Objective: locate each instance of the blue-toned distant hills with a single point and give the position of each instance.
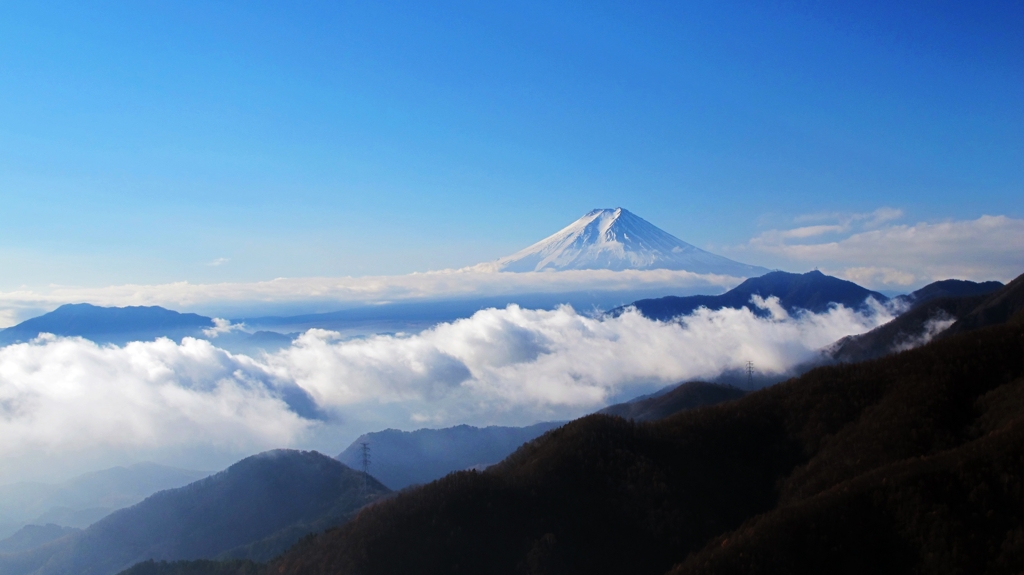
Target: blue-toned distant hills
(255, 509)
(32, 536)
(109, 324)
(403, 458)
(120, 325)
(812, 291)
(100, 491)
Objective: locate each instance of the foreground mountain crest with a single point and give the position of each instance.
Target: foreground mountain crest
(615, 239)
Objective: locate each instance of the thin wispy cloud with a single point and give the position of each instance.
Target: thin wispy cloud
(811, 231)
(873, 250)
(845, 220)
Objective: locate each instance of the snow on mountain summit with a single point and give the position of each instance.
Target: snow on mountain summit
(615, 239)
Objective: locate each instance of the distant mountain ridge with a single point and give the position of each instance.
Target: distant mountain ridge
(86, 498)
(32, 536)
(812, 291)
(403, 458)
(109, 324)
(121, 325)
(255, 509)
(616, 239)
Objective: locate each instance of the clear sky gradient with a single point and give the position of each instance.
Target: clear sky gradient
(150, 142)
(185, 154)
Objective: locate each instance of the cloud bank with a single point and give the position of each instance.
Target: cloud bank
(446, 284)
(500, 366)
(872, 250)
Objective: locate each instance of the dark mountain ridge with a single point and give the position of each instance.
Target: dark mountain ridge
(812, 291)
(1000, 307)
(907, 463)
(196, 567)
(255, 509)
(915, 327)
(689, 395)
(947, 289)
(932, 314)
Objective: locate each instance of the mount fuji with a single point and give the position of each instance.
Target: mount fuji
(615, 239)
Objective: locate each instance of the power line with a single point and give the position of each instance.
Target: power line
(750, 374)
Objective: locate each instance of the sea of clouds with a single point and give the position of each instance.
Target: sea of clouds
(61, 396)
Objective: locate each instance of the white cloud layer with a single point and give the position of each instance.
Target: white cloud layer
(446, 284)
(872, 250)
(63, 394)
(504, 366)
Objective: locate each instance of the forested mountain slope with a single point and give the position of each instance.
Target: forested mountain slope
(949, 288)
(908, 462)
(689, 395)
(935, 315)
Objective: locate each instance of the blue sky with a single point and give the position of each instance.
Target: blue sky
(236, 142)
(185, 154)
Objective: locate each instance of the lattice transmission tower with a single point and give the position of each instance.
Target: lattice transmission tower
(364, 449)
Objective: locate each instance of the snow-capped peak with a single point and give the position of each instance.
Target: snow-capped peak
(615, 239)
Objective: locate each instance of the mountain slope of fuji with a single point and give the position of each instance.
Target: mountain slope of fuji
(615, 239)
